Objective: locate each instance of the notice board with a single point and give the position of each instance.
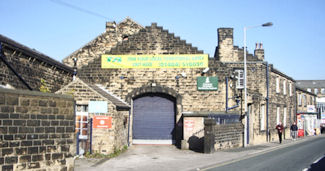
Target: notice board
(102, 122)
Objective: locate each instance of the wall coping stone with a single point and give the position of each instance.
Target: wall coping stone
(206, 114)
(33, 93)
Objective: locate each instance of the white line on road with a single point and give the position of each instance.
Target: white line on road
(316, 161)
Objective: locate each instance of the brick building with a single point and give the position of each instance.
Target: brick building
(166, 104)
(26, 68)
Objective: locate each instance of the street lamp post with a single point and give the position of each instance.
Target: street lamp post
(245, 78)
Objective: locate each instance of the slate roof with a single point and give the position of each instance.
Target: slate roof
(99, 89)
(109, 96)
(5, 41)
(304, 91)
(281, 73)
(310, 83)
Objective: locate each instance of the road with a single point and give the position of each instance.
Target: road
(296, 158)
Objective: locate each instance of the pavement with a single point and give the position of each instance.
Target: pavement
(168, 157)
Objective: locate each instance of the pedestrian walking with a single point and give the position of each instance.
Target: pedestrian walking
(279, 127)
(294, 130)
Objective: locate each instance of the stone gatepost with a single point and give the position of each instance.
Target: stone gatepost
(209, 138)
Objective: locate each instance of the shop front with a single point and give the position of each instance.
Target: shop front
(307, 124)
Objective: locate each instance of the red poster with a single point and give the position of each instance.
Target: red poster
(102, 122)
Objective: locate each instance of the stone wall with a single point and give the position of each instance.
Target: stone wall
(114, 34)
(224, 136)
(36, 131)
(32, 66)
(228, 136)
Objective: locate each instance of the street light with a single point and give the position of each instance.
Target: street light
(268, 24)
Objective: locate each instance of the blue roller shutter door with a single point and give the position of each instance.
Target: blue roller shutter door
(153, 118)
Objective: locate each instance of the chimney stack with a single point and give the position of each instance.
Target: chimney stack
(259, 51)
(224, 52)
(110, 26)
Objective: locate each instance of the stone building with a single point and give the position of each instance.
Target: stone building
(114, 34)
(25, 68)
(306, 115)
(317, 87)
(271, 96)
(305, 99)
(106, 137)
(167, 105)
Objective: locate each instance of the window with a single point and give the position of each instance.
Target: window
(82, 121)
(299, 99)
(322, 90)
(305, 100)
(262, 117)
(309, 89)
(277, 85)
(240, 78)
(277, 115)
(290, 89)
(284, 116)
(316, 91)
(284, 87)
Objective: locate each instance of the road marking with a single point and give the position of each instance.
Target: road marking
(305, 169)
(320, 158)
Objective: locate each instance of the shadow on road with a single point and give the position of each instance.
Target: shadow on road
(319, 166)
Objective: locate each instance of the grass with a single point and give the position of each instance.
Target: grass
(116, 153)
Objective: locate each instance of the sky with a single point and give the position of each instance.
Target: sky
(294, 44)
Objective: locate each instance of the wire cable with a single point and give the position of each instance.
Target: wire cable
(79, 9)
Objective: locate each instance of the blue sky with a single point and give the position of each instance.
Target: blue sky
(294, 44)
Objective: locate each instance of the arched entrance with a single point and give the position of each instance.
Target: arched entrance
(154, 119)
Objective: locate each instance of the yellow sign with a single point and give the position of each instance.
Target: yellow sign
(155, 61)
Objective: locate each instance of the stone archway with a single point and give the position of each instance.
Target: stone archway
(138, 92)
(154, 89)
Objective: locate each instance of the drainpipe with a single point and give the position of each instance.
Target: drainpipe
(91, 135)
(129, 123)
(267, 102)
(12, 69)
(129, 129)
(226, 94)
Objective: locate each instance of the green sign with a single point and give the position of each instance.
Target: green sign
(207, 83)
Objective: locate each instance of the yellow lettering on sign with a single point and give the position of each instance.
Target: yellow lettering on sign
(155, 61)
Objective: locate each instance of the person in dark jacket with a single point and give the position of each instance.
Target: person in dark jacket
(279, 127)
(294, 130)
